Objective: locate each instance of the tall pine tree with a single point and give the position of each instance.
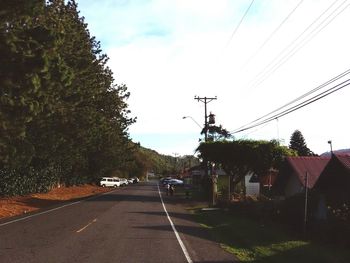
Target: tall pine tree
(59, 107)
(29, 60)
(298, 144)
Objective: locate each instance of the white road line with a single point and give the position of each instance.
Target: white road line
(83, 228)
(51, 210)
(184, 250)
(40, 213)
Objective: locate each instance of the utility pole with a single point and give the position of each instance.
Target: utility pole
(206, 100)
(306, 202)
(175, 162)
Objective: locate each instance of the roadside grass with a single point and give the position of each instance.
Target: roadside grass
(253, 242)
(191, 194)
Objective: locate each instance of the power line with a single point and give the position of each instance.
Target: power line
(292, 43)
(240, 22)
(289, 51)
(245, 135)
(273, 33)
(296, 107)
(292, 110)
(301, 97)
(308, 101)
(299, 46)
(301, 105)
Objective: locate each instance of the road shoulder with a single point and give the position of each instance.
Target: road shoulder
(200, 244)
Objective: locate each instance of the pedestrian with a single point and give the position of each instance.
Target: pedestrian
(172, 189)
(167, 186)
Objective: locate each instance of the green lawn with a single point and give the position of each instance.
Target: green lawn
(252, 242)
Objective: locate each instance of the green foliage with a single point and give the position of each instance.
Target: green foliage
(29, 180)
(163, 165)
(27, 42)
(298, 144)
(216, 133)
(59, 106)
(239, 157)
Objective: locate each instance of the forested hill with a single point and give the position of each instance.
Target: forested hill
(164, 165)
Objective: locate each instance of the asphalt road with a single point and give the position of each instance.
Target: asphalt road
(127, 225)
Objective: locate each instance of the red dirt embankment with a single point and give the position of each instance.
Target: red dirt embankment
(12, 206)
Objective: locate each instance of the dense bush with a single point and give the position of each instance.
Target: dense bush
(292, 210)
(337, 227)
(29, 180)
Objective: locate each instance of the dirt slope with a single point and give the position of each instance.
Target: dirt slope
(11, 206)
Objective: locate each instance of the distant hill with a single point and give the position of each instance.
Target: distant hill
(161, 164)
(342, 151)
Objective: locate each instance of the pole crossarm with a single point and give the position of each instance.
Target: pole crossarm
(205, 100)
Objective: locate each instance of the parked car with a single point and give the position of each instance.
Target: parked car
(166, 181)
(109, 182)
(123, 182)
(131, 180)
(172, 181)
(175, 182)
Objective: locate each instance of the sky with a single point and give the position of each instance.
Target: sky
(254, 56)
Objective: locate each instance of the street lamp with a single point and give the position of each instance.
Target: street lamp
(185, 117)
(330, 144)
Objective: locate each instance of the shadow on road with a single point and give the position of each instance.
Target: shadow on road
(117, 196)
(184, 216)
(196, 231)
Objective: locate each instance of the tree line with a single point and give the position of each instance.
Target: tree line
(238, 157)
(63, 120)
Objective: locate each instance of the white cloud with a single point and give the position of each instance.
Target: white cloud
(168, 51)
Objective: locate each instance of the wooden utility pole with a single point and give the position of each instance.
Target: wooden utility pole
(206, 100)
(305, 206)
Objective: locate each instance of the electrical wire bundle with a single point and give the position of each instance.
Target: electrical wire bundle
(323, 90)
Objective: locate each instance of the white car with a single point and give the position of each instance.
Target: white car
(109, 182)
(133, 180)
(123, 182)
(130, 180)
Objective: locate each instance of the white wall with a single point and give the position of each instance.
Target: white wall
(251, 188)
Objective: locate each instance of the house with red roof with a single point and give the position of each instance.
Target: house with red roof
(327, 176)
(334, 181)
(298, 173)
